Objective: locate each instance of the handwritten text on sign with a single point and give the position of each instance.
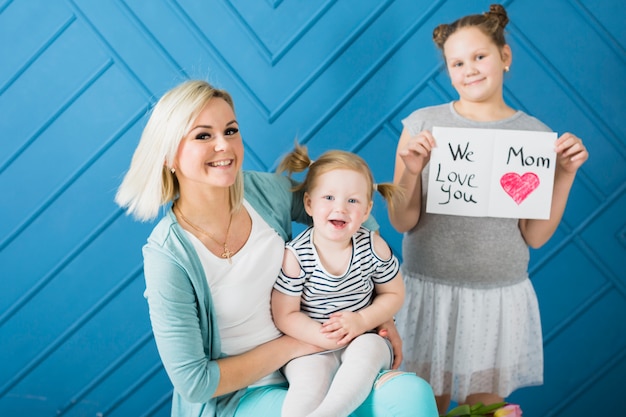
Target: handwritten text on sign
(491, 172)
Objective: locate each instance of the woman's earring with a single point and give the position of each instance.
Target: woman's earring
(506, 68)
(173, 170)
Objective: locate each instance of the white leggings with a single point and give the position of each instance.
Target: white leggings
(335, 383)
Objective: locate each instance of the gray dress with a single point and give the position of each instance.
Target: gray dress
(470, 322)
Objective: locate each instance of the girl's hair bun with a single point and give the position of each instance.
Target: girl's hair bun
(491, 23)
(498, 12)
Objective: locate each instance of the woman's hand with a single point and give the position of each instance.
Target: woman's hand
(301, 348)
(239, 371)
(389, 331)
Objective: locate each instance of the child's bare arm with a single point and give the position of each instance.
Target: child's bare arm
(345, 326)
(571, 154)
(412, 154)
(287, 314)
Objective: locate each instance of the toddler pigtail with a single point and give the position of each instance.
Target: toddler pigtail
(390, 192)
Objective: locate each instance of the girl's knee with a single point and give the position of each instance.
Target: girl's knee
(370, 342)
(368, 339)
(369, 349)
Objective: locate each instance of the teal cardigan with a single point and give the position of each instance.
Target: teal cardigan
(180, 304)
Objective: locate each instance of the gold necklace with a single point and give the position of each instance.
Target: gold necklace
(226, 254)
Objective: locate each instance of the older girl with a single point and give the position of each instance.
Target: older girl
(470, 321)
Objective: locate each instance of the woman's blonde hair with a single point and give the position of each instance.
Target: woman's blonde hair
(150, 181)
(298, 160)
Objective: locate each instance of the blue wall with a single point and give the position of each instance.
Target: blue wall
(77, 78)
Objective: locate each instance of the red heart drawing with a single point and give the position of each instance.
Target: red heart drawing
(518, 187)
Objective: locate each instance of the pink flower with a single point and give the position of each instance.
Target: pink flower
(510, 410)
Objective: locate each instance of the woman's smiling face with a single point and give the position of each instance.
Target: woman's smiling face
(212, 151)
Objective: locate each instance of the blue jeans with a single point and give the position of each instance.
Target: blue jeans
(399, 394)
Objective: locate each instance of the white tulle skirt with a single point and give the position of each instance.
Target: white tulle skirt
(466, 340)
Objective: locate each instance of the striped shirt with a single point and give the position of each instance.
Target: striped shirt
(322, 293)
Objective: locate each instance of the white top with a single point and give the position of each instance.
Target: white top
(241, 290)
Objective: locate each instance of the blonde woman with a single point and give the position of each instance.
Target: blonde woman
(211, 262)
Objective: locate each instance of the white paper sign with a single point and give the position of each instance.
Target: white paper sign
(491, 172)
